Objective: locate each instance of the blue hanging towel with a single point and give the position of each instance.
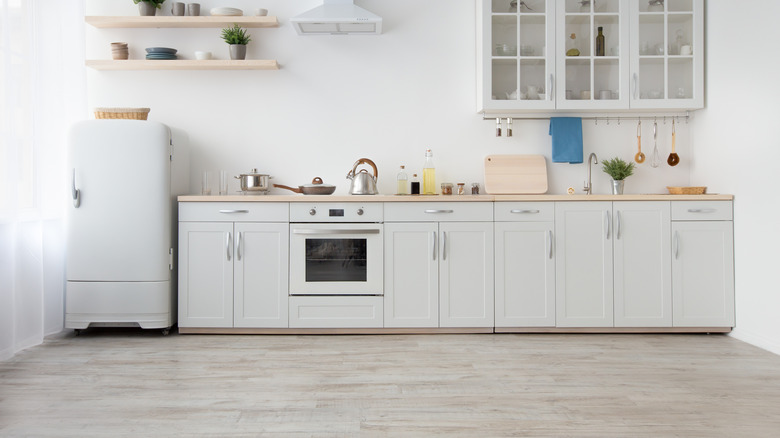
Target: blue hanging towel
(566, 135)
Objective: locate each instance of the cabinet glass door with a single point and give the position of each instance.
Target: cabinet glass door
(667, 63)
(519, 69)
(592, 74)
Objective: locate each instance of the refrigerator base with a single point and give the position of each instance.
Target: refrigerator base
(148, 305)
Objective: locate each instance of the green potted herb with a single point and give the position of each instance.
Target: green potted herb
(148, 7)
(238, 39)
(618, 170)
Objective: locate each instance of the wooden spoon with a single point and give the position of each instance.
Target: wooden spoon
(639, 157)
(673, 159)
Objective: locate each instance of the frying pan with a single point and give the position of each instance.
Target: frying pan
(315, 188)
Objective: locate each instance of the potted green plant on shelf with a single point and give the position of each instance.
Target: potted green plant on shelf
(618, 170)
(148, 7)
(238, 39)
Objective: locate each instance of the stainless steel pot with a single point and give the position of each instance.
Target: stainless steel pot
(254, 182)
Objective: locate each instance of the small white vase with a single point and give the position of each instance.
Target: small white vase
(617, 186)
(237, 51)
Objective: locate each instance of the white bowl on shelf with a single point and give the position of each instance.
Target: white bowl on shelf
(226, 12)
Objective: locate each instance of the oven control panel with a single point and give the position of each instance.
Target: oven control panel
(336, 212)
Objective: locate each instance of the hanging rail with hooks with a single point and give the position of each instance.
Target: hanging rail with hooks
(596, 119)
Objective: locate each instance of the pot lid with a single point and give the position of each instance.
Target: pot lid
(317, 182)
(253, 172)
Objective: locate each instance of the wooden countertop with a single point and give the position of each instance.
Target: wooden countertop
(451, 198)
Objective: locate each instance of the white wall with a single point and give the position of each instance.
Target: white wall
(339, 98)
(737, 149)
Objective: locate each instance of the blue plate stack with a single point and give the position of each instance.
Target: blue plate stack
(160, 53)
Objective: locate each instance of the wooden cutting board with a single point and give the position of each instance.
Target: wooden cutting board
(515, 175)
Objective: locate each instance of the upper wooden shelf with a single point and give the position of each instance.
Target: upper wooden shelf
(181, 22)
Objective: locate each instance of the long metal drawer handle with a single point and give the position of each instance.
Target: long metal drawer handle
(617, 227)
(702, 210)
(233, 211)
(444, 245)
(325, 232)
(606, 224)
(439, 211)
(227, 246)
(76, 192)
(524, 211)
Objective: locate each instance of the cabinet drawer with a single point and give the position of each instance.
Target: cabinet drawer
(336, 312)
(524, 211)
(234, 212)
(438, 211)
(702, 211)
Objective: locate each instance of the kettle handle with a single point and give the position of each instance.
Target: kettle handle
(365, 161)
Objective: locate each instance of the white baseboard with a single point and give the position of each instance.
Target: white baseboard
(760, 341)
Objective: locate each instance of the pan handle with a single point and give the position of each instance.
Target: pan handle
(280, 186)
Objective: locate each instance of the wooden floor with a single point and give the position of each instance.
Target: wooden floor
(126, 383)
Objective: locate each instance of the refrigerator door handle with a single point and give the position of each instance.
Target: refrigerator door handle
(75, 192)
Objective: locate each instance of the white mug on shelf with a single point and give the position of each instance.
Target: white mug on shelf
(686, 50)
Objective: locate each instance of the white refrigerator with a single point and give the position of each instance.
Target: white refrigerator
(121, 224)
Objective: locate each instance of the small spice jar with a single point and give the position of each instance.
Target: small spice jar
(446, 188)
(461, 188)
(475, 188)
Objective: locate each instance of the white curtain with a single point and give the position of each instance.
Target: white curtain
(42, 92)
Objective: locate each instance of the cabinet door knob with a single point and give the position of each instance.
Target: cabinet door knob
(312, 212)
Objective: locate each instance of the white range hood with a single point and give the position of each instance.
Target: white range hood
(337, 17)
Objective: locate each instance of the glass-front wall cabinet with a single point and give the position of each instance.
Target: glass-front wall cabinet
(518, 54)
(594, 55)
(592, 70)
(667, 64)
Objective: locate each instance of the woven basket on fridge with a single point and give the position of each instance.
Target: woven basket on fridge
(122, 113)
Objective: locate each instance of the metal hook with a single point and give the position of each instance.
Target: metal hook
(664, 120)
(655, 130)
(638, 128)
(618, 121)
(674, 130)
(607, 121)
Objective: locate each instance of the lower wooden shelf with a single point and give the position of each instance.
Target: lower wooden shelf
(183, 64)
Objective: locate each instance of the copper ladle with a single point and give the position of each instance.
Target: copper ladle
(673, 159)
(639, 157)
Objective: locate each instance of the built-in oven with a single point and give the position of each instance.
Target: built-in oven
(336, 249)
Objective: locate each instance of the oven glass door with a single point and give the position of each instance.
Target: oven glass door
(336, 259)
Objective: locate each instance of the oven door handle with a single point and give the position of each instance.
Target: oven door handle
(326, 232)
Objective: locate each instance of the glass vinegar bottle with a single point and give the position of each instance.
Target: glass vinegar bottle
(402, 182)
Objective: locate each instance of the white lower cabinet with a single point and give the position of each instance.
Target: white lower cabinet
(233, 269)
(438, 265)
(583, 264)
(525, 264)
(205, 274)
(613, 264)
(703, 265)
(411, 275)
(642, 268)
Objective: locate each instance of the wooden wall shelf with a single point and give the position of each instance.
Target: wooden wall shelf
(183, 64)
(104, 22)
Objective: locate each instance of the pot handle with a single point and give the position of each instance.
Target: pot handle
(365, 161)
(296, 190)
